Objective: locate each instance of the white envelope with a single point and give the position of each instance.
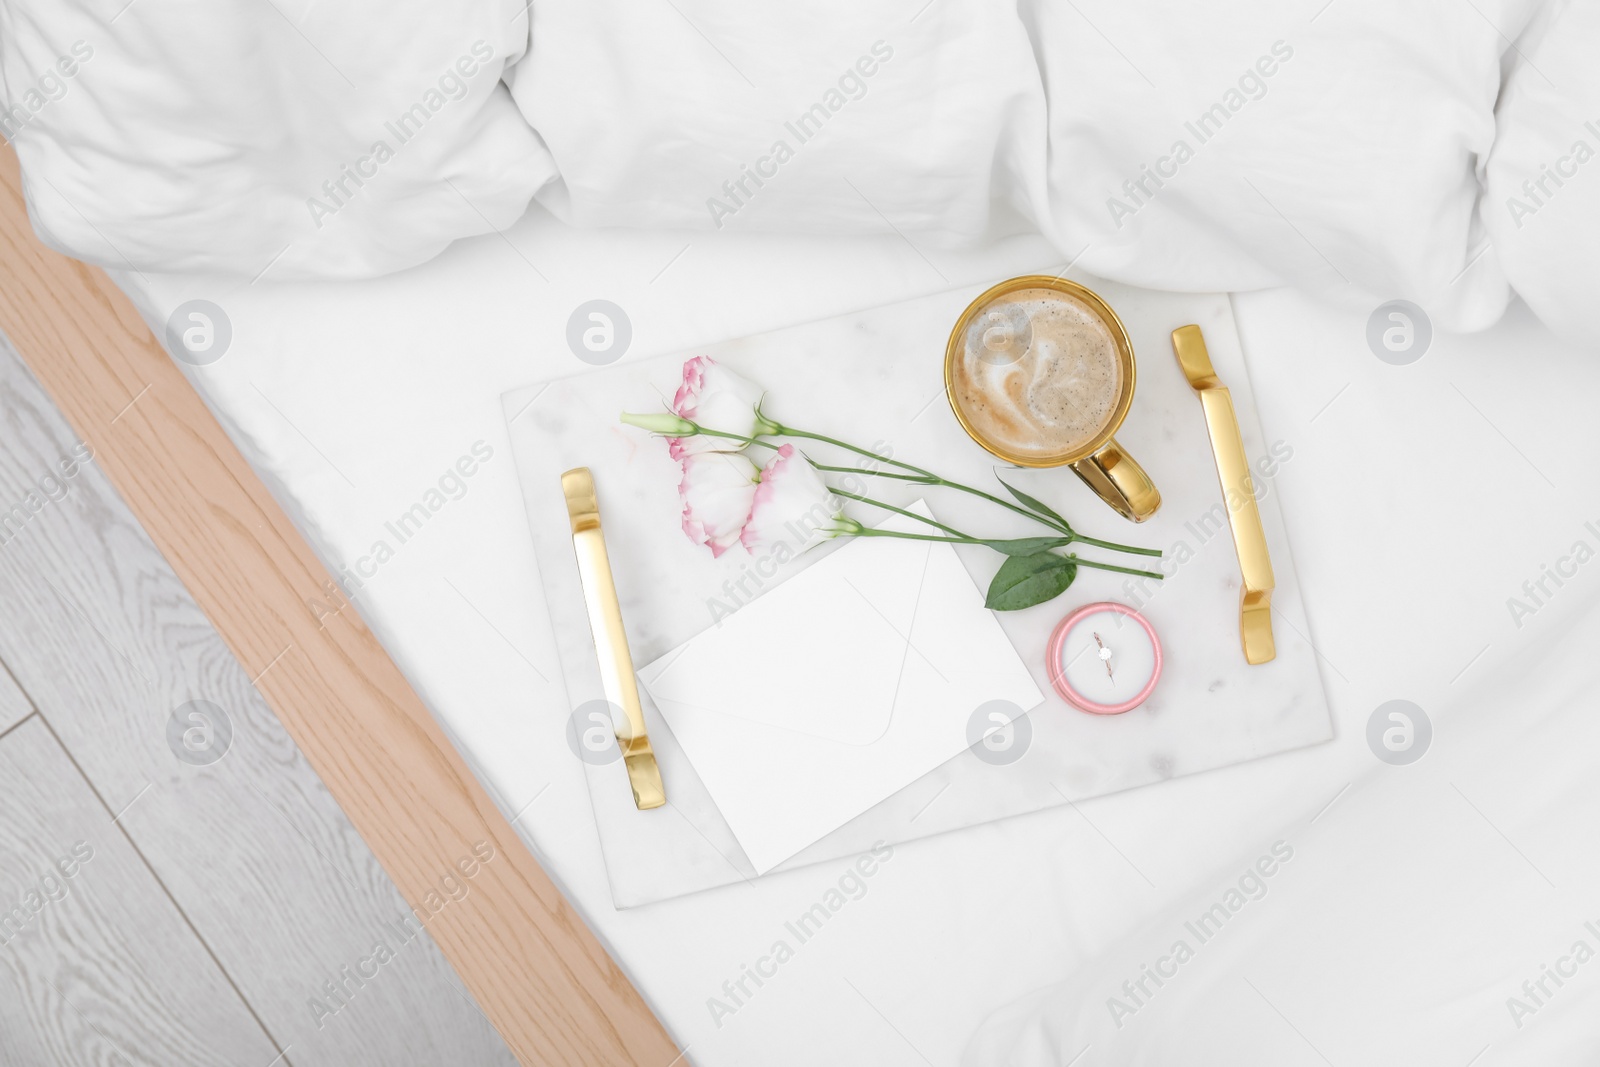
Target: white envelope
(837, 688)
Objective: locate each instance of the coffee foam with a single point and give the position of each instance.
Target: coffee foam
(1038, 374)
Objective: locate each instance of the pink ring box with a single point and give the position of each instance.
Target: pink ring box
(1058, 678)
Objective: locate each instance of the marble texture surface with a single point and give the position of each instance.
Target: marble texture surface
(875, 377)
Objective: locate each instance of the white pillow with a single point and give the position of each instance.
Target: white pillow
(1335, 148)
(242, 139)
(1542, 207)
(1339, 147)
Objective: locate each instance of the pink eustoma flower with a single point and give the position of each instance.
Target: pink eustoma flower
(717, 490)
(714, 397)
(792, 506)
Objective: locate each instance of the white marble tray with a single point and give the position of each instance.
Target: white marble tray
(877, 376)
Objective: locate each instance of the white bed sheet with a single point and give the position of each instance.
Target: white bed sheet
(1419, 499)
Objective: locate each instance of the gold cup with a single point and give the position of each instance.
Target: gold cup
(1101, 462)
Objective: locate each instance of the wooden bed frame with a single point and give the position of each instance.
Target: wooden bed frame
(536, 970)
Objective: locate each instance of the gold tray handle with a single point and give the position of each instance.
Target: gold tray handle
(1238, 494)
(610, 639)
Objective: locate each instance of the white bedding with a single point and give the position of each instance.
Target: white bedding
(1354, 148)
(1407, 567)
(1420, 499)
(1439, 913)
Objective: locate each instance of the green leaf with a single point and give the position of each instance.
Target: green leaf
(1024, 581)
(1034, 505)
(1027, 546)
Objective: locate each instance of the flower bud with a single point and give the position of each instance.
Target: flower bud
(665, 423)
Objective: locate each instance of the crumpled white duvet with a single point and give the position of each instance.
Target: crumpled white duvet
(1441, 151)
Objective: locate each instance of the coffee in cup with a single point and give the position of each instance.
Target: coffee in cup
(1040, 372)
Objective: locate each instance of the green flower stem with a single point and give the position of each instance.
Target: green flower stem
(927, 477)
(780, 430)
(901, 511)
(867, 531)
(1113, 546)
(933, 479)
(917, 478)
(1080, 561)
(668, 424)
(736, 437)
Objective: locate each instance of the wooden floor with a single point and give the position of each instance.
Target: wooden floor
(536, 971)
(176, 884)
